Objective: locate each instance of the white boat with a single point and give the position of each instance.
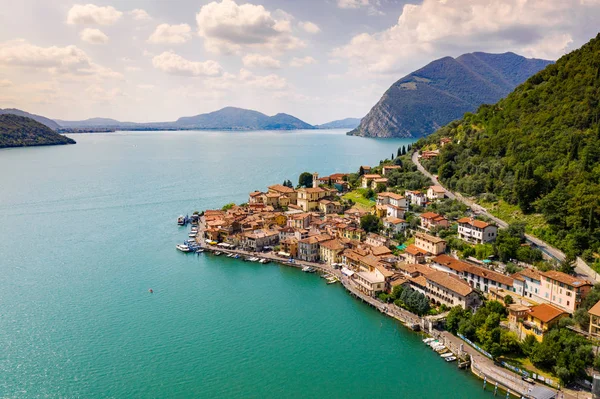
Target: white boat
(441, 349)
(447, 354)
(181, 220)
(332, 280)
(428, 340)
(254, 259)
(305, 269)
(192, 235)
(230, 255)
(217, 253)
(433, 343)
(450, 359)
(194, 229)
(264, 261)
(199, 251)
(183, 247)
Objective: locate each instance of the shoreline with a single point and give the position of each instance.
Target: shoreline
(480, 366)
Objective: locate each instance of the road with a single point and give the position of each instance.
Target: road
(546, 248)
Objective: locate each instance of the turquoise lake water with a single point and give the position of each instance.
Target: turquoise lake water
(86, 230)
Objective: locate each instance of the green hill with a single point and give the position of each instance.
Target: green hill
(539, 148)
(232, 118)
(443, 91)
(41, 119)
(20, 131)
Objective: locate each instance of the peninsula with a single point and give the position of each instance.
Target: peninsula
(21, 131)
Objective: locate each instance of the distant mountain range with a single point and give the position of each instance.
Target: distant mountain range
(348, 123)
(22, 131)
(445, 90)
(228, 118)
(45, 121)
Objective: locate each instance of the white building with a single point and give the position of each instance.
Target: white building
(476, 231)
(436, 193)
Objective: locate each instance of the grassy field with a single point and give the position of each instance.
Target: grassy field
(357, 197)
(525, 363)
(512, 214)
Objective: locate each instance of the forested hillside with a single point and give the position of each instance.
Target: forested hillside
(538, 148)
(20, 131)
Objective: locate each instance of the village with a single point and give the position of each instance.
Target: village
(389, 248)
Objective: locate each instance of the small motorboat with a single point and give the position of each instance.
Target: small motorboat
(264, 261)
(151, 291)
(445, 355)
(199, 251)
(192, 234)
(450, 358)
(428, 340)
(332, 280)
(181, 220)
(183, 247)
(254, 259)
(217, 253)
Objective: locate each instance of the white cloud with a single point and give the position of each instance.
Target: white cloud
(536, 28)
(91, 14)
(268, 82)
(140, 15)
(300, 62)
(145, 87)
(260, 61)
(5, 83)
(175, 64)
(309, 27)
(171, 34)
(352, 3)
(228, 28)
(69, 62)
(132, 69)
(93, 36)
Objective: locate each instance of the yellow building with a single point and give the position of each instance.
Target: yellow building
(352, 233)
(431, 244)
(331, 251)
(283, 190)
(308, 198)
(539, 319)
(595, 321)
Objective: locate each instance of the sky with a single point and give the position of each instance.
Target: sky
(319, 60)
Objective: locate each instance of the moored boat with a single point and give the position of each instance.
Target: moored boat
(428, 340)
(448, 354)
(450, 359)
(217, 253)
(199, 251)
(183, 247)
(181, 220)
(264, 261)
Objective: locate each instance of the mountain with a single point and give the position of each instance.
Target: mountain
(20, 131)
(45, 121)
(444, 90)
(538, 148)
(348, 123)
(231, 118)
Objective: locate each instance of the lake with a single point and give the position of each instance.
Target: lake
(87, 229)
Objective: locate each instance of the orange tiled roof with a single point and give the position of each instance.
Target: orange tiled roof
(565, 278)
(545, 312)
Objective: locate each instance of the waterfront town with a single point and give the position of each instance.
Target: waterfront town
(399, 251)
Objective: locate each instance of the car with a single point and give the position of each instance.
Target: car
(528, 379)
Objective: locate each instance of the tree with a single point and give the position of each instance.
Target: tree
(228, 206)
(368, 193)
(508, 300)
(370, 223)
(455, 316)
(305, 179)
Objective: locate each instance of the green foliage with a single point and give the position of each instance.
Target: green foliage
(508, 300)
(368, 194)
(228, 206)
(288, 183)
(305, 179)
(413, 301)
(370, 223)
(538, 148)
(20, 131)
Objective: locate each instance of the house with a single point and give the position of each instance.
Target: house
(431, 244)
(351, 233)
(416, 198)
(388, 168)
(371, 283)
(258, 239)
(376, 240)
(432, 219)
(299, 220)
(444, 141)
(308, 248)
(394, 225)
(476, 231)
(308, 198)
(271, 199)
(255, 197)
(284, 190)
(563, 290)
(528, 283)
(392, 204)
(329, 207)
(289, 247)
(516, 314)
(368, 179)
(430, 154)
(450, 290)
(330, 251)
(539, 319)
(436, 193)
(414, 254)
(594, 313)
(364, 170)
(381, 181)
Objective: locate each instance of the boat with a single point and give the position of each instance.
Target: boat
(217, 253)
(199, 251)
(254, 259)
(433, 343)
(151, 291)
(183, 247)
(192, 234)
(181, 220)
(332, 280)
(450, 359)
(428, 340)
(441, 349)
(236, 256)
(264, 261)
(308, 269)
(445, 355)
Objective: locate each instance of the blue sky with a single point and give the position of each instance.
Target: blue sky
(157, 60)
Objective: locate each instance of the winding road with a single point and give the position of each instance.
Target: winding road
(547, 249)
